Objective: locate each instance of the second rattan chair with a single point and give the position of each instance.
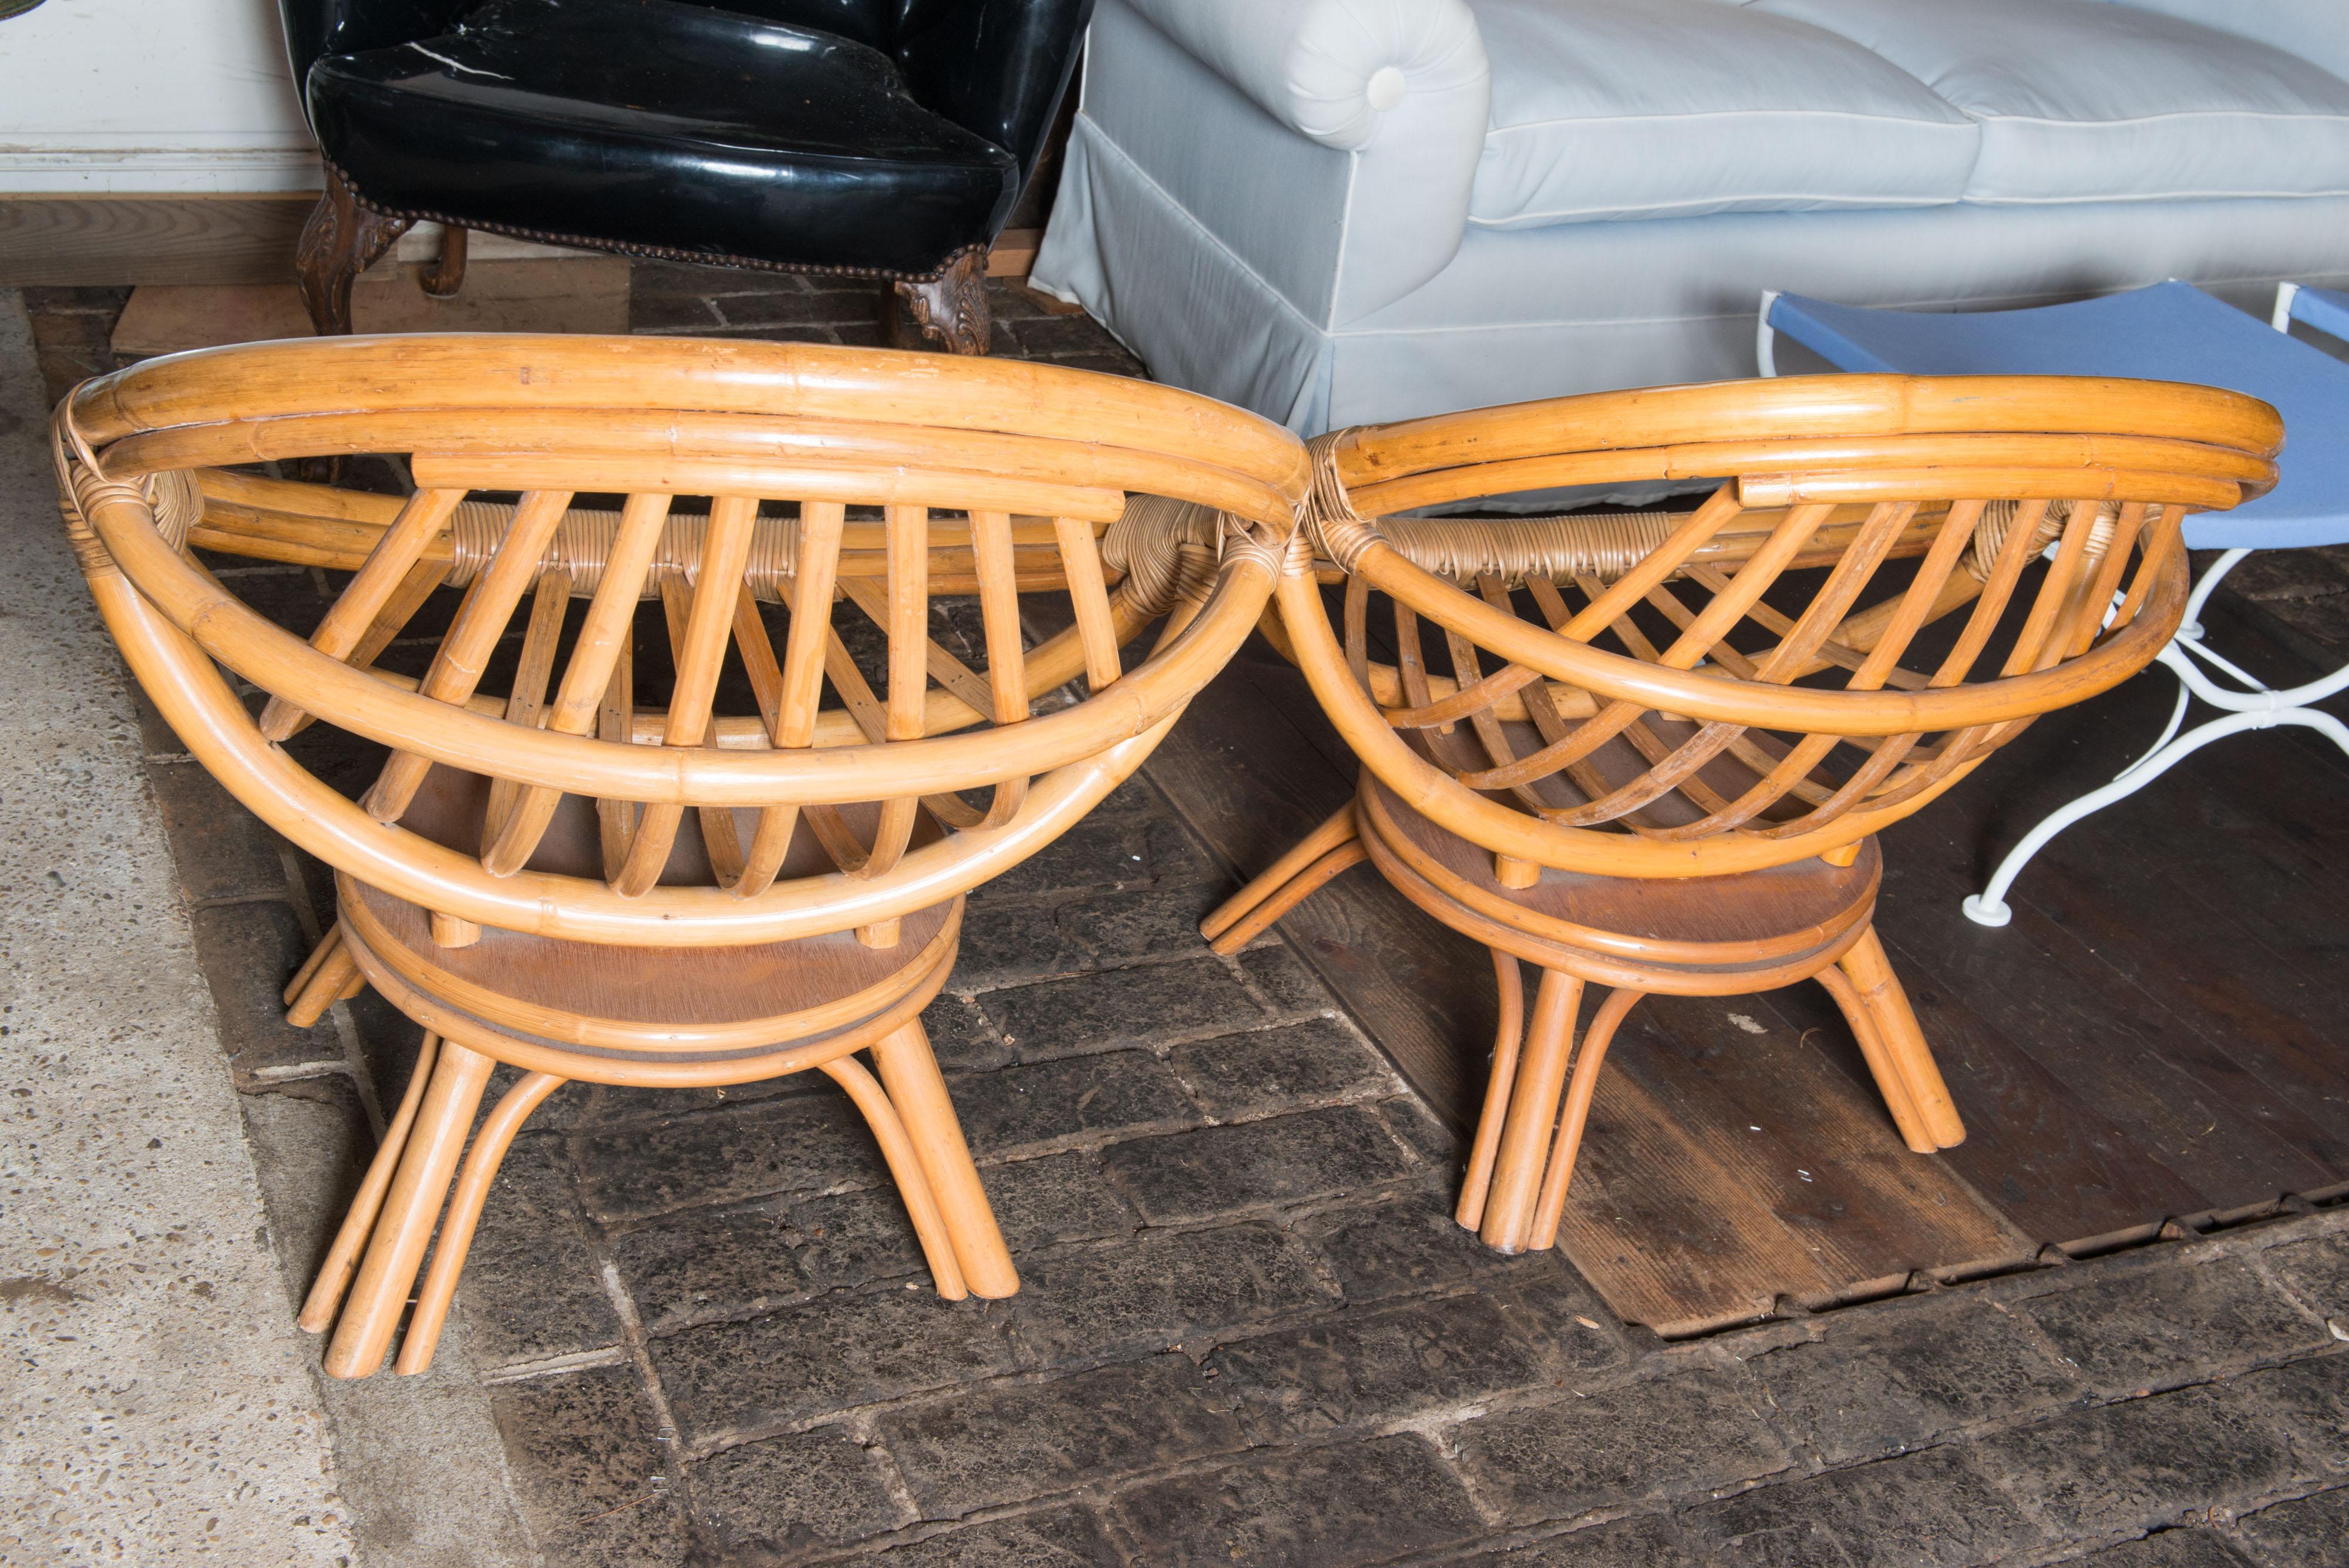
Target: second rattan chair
(1695, 811)
(585, 888)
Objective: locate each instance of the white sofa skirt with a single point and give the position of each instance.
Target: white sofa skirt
(1582, 307)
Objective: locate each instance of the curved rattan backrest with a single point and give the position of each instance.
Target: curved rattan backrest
(846, 484)
(1786, 619)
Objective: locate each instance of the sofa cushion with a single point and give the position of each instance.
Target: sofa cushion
(2084, 101)
(1645, 108)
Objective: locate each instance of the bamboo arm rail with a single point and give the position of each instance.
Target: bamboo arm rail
(218, 732)
(321, 525)
(1508, 831)
(1710, 697)
(280, 662)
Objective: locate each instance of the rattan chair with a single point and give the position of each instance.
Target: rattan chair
(562, 881)
(1695, 811)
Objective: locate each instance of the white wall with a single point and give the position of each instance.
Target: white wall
(100, 97)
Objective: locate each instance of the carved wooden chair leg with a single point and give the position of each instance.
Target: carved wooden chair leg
(1890, 1083)
(1478, 1184)
(1532, 1111)
(359, 1221)
(482, 1161)
(951, 307)
(1589, 1057)
(1904, 1042)
(906, 1167)
(1321, 854)
(341, 241)
(328, 975)
(918, 1090)
(447, 276)
(396, 1250)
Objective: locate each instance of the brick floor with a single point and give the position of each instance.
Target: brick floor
(1248, 1330)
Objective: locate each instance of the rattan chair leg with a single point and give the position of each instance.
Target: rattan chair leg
(482, 1161)
(418, 1189)
(1244, 910)
(1532, 1111)
(327, 976)
(1880, 1065)
(359, 1220)
(1478, 1185)
(1904, 1042)
(1588, 1059)
(906, 1167)
(910, 1073)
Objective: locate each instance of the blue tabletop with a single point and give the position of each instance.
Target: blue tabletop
(2169, 332)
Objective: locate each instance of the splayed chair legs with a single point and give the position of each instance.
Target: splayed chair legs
(1334, 846)
(1523, 1156)
(376, 1254)
(1875, 1006)
(327, 976)
(392, 1217)
(914, 1122)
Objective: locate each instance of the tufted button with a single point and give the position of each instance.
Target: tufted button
(1386, 89)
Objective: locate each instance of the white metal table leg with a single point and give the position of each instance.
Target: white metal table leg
(2256, 709)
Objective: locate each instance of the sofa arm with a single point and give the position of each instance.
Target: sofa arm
(1337, 70)
(1403, 86)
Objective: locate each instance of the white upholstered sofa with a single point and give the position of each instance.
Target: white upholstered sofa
(1337, 211)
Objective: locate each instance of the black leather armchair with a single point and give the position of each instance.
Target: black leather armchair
(884, 138)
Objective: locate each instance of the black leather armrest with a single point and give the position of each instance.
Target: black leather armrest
(996, 68)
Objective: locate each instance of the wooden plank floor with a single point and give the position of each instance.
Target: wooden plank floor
(2162, 1033)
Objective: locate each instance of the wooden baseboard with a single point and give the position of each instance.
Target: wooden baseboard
(69, 241)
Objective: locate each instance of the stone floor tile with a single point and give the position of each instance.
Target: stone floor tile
(1263, 1071)
(1160, 921)
(221, 849)
(1286, 1159)
(247, 952)
(532, 1286)
(1420, 1131)
(2309, 1402)
(1091, 1302)
(1059, 1198)
(855, 1239)
(1016, 945)
(1887, 1378)
(746, 1379)
(2307, 1532)
(619, 1104)
(709, 1262)
(986, 1447)
(1119, 1008)
(2139, 1465)
(1068, 1098)
(960, 1036)
(1345, 1504)
(310, 1146)
(1287, 984)
(2140, 1328)
(1408, 1246)
(776, 1500)
(587, 1468)
(2317, 1272)
(1098, 852)
(1648, 1542)
(1649, 1441)
(1059, 1538)
(1929, 1510)
(1582, 1342)
(1377, 1366)
(808, 1143)
(2170, 1549)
